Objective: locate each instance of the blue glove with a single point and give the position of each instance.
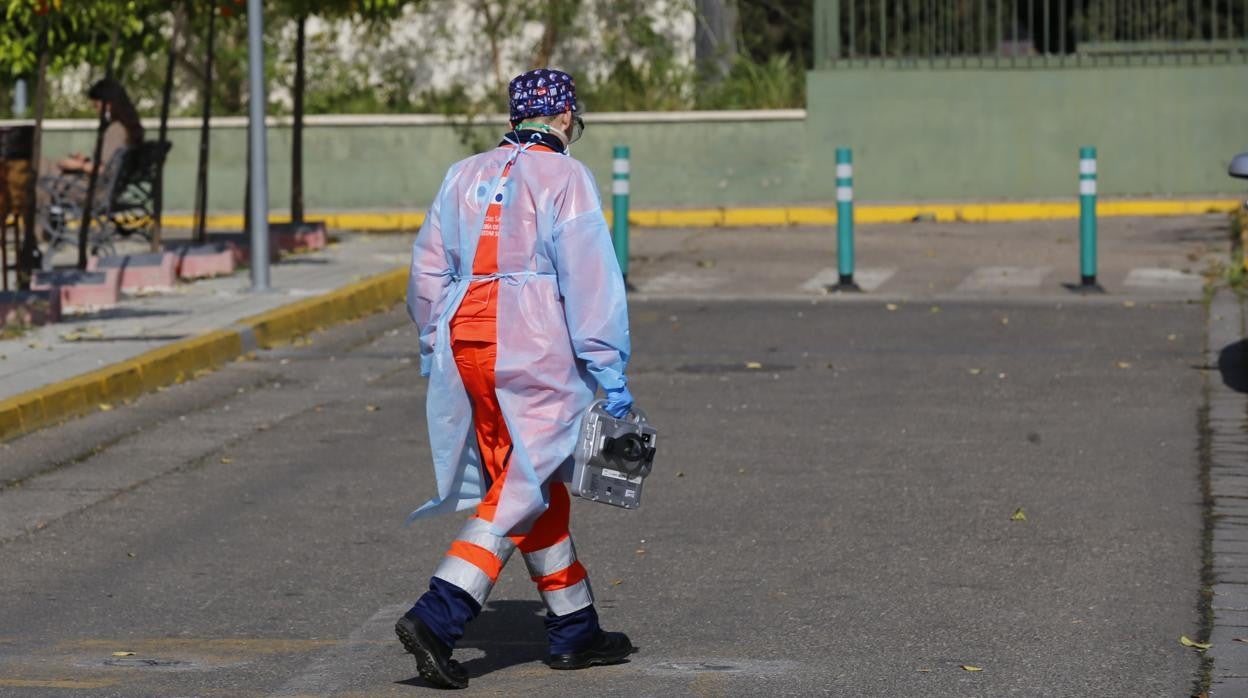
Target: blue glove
(619, 402)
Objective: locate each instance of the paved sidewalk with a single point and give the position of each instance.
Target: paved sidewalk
(90, 341)
(1226, 451)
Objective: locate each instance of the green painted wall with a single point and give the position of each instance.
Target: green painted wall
(401, 167)
(1009, 134)
(917, 135)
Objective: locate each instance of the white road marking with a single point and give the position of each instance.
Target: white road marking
(1169, 279)
(676, 281)
(867, 279)
(1002, 278)
(330, 671)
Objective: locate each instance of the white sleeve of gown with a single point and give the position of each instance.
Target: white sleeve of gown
(591, 284)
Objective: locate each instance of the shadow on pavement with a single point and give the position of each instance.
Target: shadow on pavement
(1233, 365)
(122, 312)
(508, 632)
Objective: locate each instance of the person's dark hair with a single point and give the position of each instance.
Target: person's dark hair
(120, 108)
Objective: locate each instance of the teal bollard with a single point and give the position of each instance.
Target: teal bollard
(619, 206)
(844, 222)
(1087, 221)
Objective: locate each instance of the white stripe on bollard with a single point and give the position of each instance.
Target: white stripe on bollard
(619, 166)
(1087, 167)
(843, 170)
(1087, 187)
(619, 187)
(844, 193)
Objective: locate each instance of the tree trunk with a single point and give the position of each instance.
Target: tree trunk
(201, 173)
(559, 16)
(491, 33)
(30, 259)
(715, 38)
(296, 131)
(96, 167)
(166, 95)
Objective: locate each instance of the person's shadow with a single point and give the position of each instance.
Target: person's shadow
(509, 632)
(1233, 365)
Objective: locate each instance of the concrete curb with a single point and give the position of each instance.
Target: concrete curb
(730, 217)
(1228, 500)
(182, 360)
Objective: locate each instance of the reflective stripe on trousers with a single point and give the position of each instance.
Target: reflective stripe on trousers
(475, 559)
(560, 578)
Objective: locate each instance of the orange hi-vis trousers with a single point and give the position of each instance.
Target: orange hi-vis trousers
(477, 556)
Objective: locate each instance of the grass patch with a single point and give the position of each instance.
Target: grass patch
(1230, 274)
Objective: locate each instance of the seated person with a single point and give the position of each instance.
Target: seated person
(111, 101)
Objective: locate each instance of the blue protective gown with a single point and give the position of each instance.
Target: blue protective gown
(562, 322)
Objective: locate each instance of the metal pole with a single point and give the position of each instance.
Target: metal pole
(619, 206)
(19, 100)
(845, 221)
(259, 152)
(1087, 219)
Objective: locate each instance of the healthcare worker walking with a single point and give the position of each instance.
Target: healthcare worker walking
(520, 305)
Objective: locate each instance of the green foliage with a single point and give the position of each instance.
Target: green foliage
(78, 32)
(647, 70)
(659, 86)
(1235, 272)
(773, 84)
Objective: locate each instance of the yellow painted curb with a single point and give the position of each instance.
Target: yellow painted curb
(183, 360)
(999, 212)
(347, 303)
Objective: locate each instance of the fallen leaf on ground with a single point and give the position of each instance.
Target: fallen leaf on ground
(969, 667)
(680, 473)
(924, 671)
(975, 371)
(371, 408)
(1018, 515)
(1124, 364)
(123, 654)
(891, 306)
(616, 582)
(753, 364)
(706, 263)
(1128, 304)
(226, 460)
(104, 407)
(1189, 642)
(641, 551)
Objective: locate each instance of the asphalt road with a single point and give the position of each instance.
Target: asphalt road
(836, 521)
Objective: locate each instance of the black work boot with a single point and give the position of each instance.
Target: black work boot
(607, 648)
(433, 659)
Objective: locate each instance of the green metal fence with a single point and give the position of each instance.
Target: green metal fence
(1005, 33)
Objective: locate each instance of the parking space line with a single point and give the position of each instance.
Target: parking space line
(328, 672)
(1002, 278)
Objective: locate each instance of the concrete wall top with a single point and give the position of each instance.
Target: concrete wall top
(372, 120)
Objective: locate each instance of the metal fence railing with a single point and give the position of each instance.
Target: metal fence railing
(1004, 32)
